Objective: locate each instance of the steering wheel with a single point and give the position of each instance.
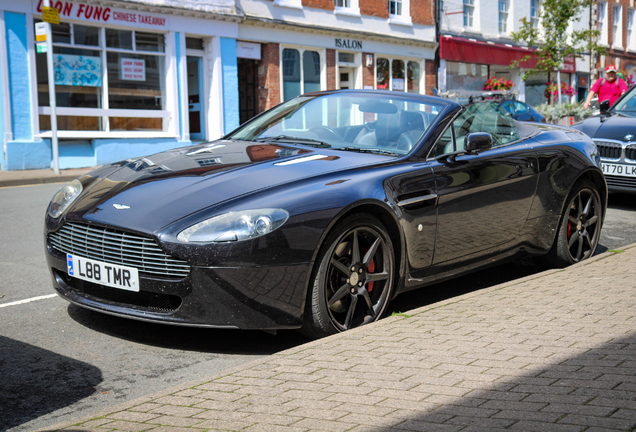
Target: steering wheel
(325, 132)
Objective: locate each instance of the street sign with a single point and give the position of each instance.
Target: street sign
(40, 32)
(50, 15)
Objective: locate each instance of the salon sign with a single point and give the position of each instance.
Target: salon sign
(104, 14)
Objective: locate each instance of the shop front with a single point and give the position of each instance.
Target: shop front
(130, 80)
(294, 60)
(467, 65)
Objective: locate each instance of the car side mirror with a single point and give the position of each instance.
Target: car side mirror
(604, 106)
(478, 142)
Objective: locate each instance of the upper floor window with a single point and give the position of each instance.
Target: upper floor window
(534, 12)
(631, 43)
(504, 5)
(469, 11)
(399, 11)
(617, 26)
(347, 7)
(602, 24)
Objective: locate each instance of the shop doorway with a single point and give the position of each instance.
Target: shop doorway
(248, 88)
(346, 77)
(195, 90)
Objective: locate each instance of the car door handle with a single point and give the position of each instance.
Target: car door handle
(417, 200)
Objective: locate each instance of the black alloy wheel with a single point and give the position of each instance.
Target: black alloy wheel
(580, 227)
(354, 280)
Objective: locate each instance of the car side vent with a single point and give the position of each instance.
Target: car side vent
(630, 152)
(609, 150)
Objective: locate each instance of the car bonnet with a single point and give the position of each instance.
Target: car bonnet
(149, 193)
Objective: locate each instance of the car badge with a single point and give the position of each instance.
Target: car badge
(629, 137)
(121, 206)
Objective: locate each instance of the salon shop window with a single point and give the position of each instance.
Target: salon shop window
(302, 71)
(106, 80)
(398, 74)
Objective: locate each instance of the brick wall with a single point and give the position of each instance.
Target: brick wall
(368, 78)
(423, 12)
(320, 4)
(376, 8)
(429, 70)
(331, 70)
(269, 93)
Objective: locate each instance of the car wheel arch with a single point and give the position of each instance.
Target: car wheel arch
(389, 220)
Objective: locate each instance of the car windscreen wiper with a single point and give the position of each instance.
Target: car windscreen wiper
(360, 150)
(291, 139)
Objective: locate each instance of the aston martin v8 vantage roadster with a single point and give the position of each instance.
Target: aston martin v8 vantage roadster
(316, 213)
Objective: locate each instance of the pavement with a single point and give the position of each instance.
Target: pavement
(31, 177)
(554, 351)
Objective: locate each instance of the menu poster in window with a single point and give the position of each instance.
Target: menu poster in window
(131, 69)
(77, 70)
(398, 83)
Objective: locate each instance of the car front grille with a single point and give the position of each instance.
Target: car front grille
(610, 150)
(630, 152)
(619, 181)
(118, 247)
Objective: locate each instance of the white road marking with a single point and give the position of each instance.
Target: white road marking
(28, 300)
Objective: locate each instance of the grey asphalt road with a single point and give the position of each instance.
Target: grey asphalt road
(59, 362)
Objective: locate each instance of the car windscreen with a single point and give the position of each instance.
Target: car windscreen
(382, 123)
(627, 104)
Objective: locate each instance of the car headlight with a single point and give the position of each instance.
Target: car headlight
(64, 197)
(235, 226)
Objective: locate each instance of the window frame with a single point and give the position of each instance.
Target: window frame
(469, 7)
(104, 113)
(503, 14)
(602, 23)
(631, 26)
(535, 9)
(352, 10)
(404, 17)
(406, 61)
(617, 25)
(301, 50)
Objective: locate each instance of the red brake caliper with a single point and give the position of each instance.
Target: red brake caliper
(569, 229)
(370, 270)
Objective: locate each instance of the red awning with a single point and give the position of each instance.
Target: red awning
(473, 51)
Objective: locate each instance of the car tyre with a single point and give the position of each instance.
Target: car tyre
(580, 226)
(354, 278)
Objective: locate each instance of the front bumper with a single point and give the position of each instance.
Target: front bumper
(265, 298)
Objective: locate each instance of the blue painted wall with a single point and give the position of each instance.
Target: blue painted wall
(230, 85)
(23, 155)
(180, 89)
(19, 76)
(2, 116)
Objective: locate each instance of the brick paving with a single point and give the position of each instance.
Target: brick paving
(554, 351)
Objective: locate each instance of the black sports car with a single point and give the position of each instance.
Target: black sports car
(614, 132)
(316, 213)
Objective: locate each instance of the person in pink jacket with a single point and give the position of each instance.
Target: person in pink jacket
(609, 88)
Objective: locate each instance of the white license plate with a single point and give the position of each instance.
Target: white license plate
(619, 169)
(112, 275)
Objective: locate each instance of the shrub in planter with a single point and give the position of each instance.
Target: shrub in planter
(555, 112)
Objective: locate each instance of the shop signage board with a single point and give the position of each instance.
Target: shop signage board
(76, 70)
(50, 15)
(248, 50)
(348, 44)
(104, 14)
(40, 32)
(131, 69)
